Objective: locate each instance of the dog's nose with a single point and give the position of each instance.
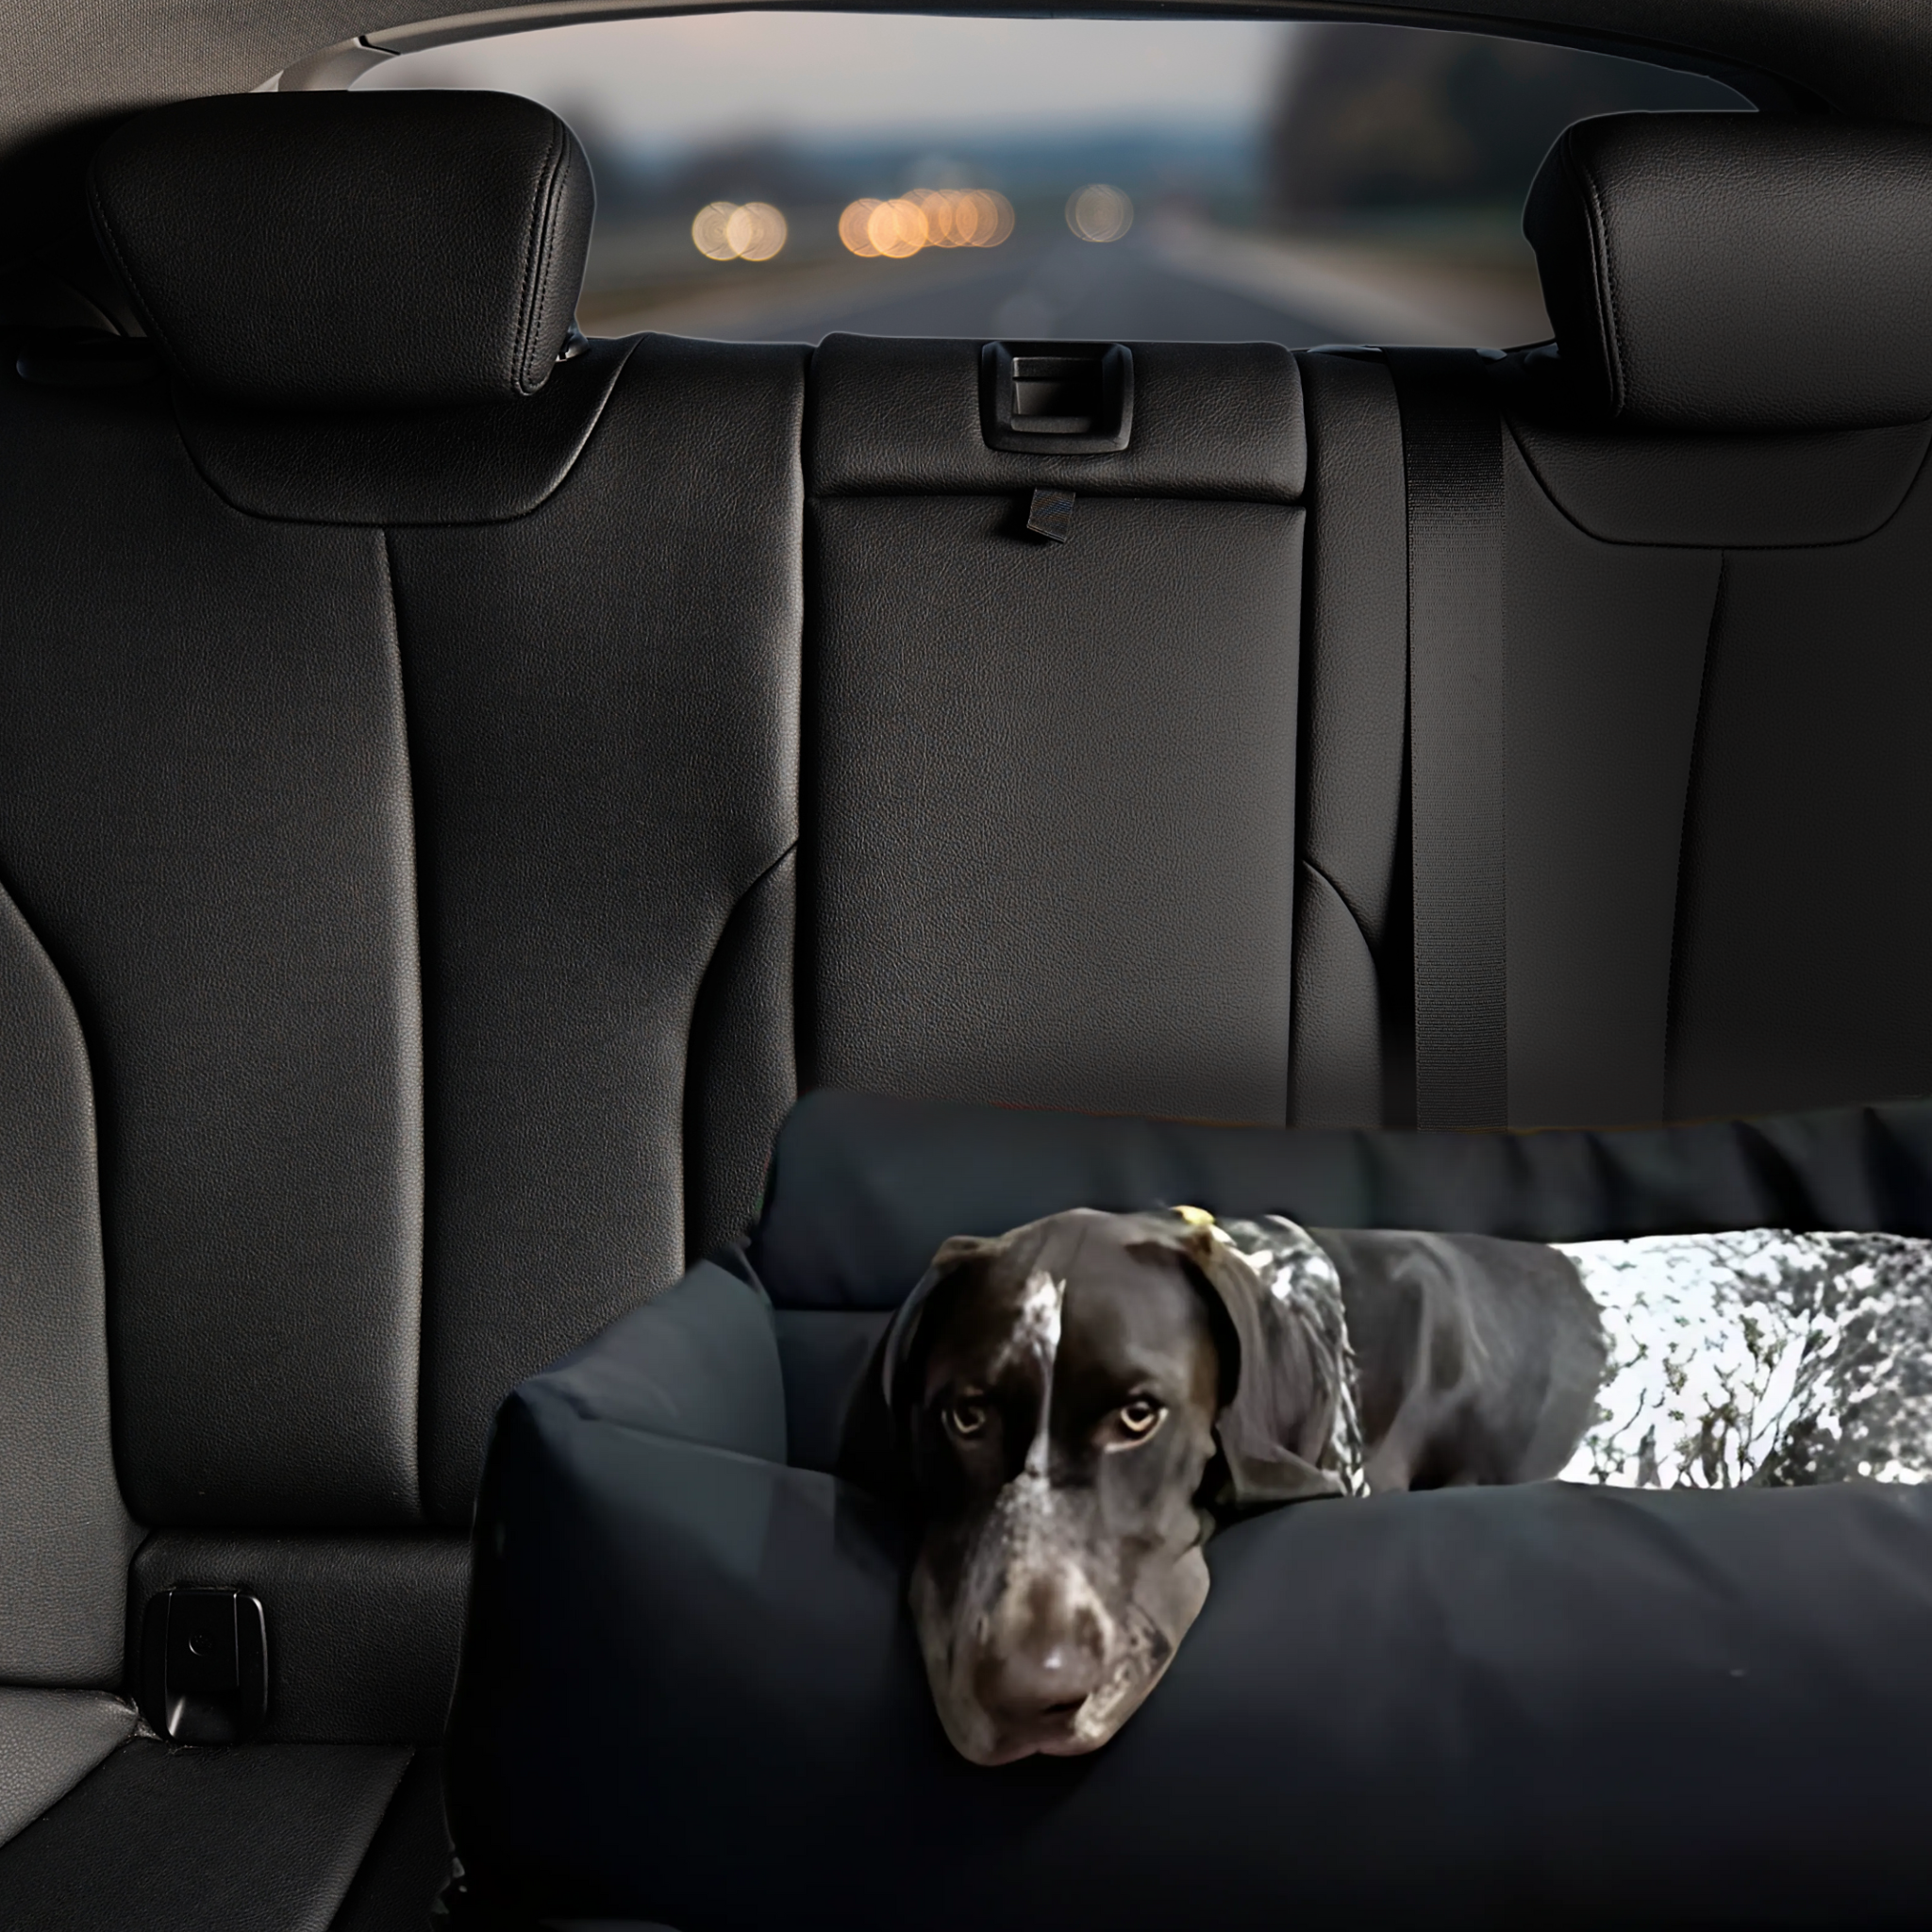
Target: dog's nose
(1040, 1680)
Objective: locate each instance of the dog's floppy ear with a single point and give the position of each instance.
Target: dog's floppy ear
(1261, 1465)
(902, 1338)
(871, 1445)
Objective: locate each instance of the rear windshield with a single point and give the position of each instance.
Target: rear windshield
(778, 176)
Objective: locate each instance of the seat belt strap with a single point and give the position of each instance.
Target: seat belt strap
(1452, 436)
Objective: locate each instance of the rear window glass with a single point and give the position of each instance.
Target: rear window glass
(778, 176)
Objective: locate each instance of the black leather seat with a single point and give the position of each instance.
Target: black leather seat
(1692, 877)
(396, 790)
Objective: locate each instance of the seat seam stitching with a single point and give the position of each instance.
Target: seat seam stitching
(1605, 284)
(1583, 529)
(542, 208)
(596, 421)
(1355, 917)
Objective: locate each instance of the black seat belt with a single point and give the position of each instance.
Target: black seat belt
(1452, 437)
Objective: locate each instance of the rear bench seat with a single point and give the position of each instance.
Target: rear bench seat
(1672, 849)
(399, 780)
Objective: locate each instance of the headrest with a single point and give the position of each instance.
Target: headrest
(361, 251)
(1740, 272)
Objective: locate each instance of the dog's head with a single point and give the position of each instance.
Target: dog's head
(1057, 1391)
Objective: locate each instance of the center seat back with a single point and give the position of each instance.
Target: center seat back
(1050, 778)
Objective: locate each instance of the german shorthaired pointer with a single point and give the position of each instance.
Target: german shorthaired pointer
(1074, 1401)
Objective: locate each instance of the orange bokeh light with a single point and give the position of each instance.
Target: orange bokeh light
(926, 218)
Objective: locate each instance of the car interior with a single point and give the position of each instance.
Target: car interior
(464, 774)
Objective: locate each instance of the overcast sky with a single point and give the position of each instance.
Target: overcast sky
(707, 75)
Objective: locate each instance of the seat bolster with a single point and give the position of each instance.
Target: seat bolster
(49, 1740)
(64, 1536)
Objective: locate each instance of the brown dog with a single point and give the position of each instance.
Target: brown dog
(1073, 1401)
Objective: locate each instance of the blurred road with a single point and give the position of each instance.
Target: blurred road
(1060, 288)
(1167, 281)
(1067, 289)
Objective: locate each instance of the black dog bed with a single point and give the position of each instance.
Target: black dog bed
(690, 1693)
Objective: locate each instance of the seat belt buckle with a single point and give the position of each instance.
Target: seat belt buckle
(204, 1665)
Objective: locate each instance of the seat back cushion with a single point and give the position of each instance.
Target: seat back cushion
(1049, 788)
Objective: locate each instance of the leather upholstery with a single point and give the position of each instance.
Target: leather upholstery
(203, 1840)
(1605, 650)
(1805, 907)
(973, 936)
(408, 1862)
(204, 817)
(312, 722)
(1723, 492)
(964, 931)
(968, 934)
(49, 1740)
(741, 1070)
(64, 1537)
(1740, 272)
(1351, 982)
(469, 463)
(341, 250)
(604, 706)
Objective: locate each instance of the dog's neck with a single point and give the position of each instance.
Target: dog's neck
(1302, 1282)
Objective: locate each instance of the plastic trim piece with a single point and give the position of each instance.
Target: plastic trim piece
(204, 1665)
(1062, 399)
(331, 71)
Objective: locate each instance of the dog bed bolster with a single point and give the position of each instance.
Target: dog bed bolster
(691, 1693)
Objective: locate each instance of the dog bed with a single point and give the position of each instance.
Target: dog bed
(690, 1695)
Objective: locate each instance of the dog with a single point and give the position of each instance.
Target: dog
(1071, 1406)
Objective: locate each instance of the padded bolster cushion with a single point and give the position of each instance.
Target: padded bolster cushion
(691, 1693)
(341, 250)
(1740, 272)
(865, 1187)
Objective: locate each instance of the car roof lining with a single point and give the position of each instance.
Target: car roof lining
(342, 64)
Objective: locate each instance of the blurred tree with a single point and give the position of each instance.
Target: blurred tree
(1373, 118)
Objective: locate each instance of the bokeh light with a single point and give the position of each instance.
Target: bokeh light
(727, 231)
(896, 228)
(1099, 213)
(926, 218)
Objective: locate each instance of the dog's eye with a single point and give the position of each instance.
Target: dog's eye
(966, 1415)
(1140, 1414)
